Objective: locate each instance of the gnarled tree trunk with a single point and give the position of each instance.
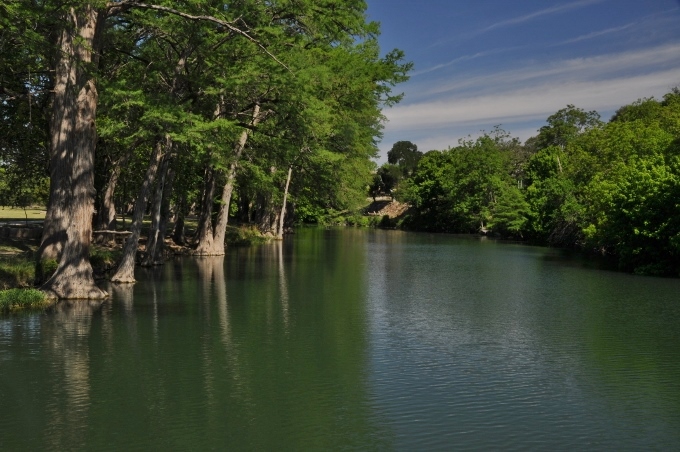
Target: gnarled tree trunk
(68, 223)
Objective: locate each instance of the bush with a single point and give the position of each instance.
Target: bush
(17, 299)
(362, 221)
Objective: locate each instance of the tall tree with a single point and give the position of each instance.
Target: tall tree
(68, 223)
(405, 155)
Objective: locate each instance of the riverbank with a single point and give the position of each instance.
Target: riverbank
(19, 243)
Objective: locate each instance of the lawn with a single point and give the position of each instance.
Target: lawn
(15, 214)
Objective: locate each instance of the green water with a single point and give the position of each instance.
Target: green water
(353, 339)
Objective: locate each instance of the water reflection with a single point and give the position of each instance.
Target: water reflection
(65, 331)
(351, 339)
(283, 285)
(124, 296)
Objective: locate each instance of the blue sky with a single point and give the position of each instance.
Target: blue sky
(482, 63)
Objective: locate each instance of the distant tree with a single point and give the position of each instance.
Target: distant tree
(642, 109)
(405, 155)
(469, 188)
(565, 125)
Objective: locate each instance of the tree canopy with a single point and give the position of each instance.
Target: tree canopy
(186, 104)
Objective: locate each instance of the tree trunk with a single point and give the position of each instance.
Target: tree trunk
(126, 269)
(107, 214)
(152, 235)
(204, 233)
(283, 207)
(267, 215)
(159, 213)
(220, 231)
(214, 246)
(178, 231)
(165, 215)
(68, 223)
(243, 208)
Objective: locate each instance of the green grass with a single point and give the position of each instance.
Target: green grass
(16, 271)
(13, 300)
(12, 213)
(11, 247)
(244, 235)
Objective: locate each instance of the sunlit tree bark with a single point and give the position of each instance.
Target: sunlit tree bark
(68, 223)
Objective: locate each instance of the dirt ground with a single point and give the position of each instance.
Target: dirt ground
(381, 207)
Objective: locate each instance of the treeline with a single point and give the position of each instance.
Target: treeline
(243, 109)
(609, 188)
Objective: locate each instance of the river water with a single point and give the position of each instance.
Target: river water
(342, 339)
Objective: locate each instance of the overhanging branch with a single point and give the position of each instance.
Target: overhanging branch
(112, 6)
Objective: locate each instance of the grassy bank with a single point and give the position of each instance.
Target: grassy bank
(244, 236)
(13, 300)
(18, 267)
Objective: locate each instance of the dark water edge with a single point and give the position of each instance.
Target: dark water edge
(344, 339)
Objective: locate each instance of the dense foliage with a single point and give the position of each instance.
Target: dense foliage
(315, 69)
(276, 105)
(610, 188)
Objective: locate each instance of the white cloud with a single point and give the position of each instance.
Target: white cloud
(543, 12)
(444, 139)
(530, 103)
(522, 108)
(466, 58)
(591, 68)
(452, 62)
(595, 34)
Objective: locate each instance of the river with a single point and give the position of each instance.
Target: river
(342, 339)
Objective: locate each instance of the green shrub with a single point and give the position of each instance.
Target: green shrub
(17, 299)
(359, 220)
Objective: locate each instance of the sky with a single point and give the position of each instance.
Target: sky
(513, 63)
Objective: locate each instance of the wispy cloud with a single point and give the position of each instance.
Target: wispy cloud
(591, 68)
(466, 58)
(521, 19)
(455, 61)
(540, 13)
(531, 103)
(521, 99)
(595, 34)
(647, 22)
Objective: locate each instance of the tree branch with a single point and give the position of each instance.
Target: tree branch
(114, 6)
